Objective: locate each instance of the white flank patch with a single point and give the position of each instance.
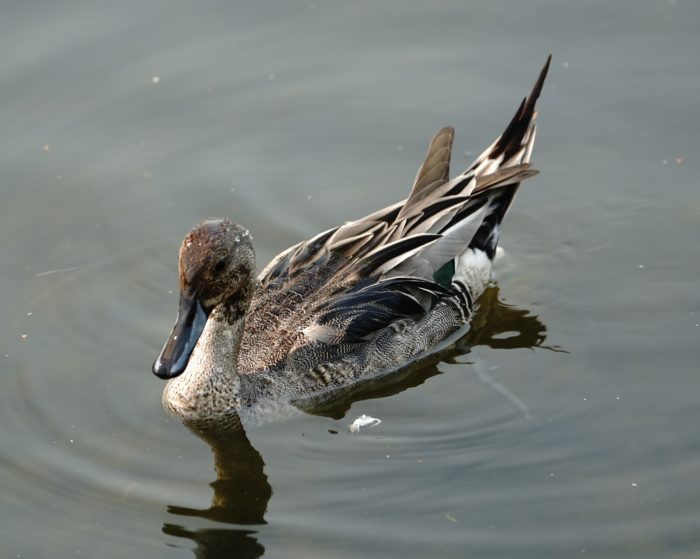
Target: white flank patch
(474, 270)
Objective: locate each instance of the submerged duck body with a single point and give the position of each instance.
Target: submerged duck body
(353, 302)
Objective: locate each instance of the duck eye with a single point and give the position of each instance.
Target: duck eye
(219, 267)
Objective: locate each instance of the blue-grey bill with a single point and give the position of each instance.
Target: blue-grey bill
(176, 352)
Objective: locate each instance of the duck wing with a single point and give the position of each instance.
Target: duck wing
(344, 285)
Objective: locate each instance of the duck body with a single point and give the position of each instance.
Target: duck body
(356, 301)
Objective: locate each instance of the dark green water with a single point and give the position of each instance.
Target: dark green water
(569, 429)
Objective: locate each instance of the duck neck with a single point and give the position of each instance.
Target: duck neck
(226, 324)
(210, 385)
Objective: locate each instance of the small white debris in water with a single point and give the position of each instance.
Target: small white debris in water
(156, 79)
(363, 421)
(634, 484)
(641, 266)
(24, 336)
(30, 313)
(565, 64)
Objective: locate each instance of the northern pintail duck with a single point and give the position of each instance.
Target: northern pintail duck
(359, 300)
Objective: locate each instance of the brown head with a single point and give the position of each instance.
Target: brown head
(216, 265)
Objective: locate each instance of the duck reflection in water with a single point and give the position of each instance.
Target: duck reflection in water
(241, 489)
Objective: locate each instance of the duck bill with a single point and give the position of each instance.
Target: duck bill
(176, 352)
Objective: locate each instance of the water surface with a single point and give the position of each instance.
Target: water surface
(565, 425)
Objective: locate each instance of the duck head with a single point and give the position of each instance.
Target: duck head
(216, 266)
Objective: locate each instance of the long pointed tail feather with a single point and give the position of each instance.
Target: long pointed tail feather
(508, 155)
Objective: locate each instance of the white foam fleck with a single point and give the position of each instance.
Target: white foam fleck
(363, 421)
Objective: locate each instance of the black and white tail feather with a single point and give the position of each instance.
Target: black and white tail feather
(434, 248)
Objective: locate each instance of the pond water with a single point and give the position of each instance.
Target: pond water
(564, 424)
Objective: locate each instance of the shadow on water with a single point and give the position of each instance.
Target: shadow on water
(241, 494)
(241, 489)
